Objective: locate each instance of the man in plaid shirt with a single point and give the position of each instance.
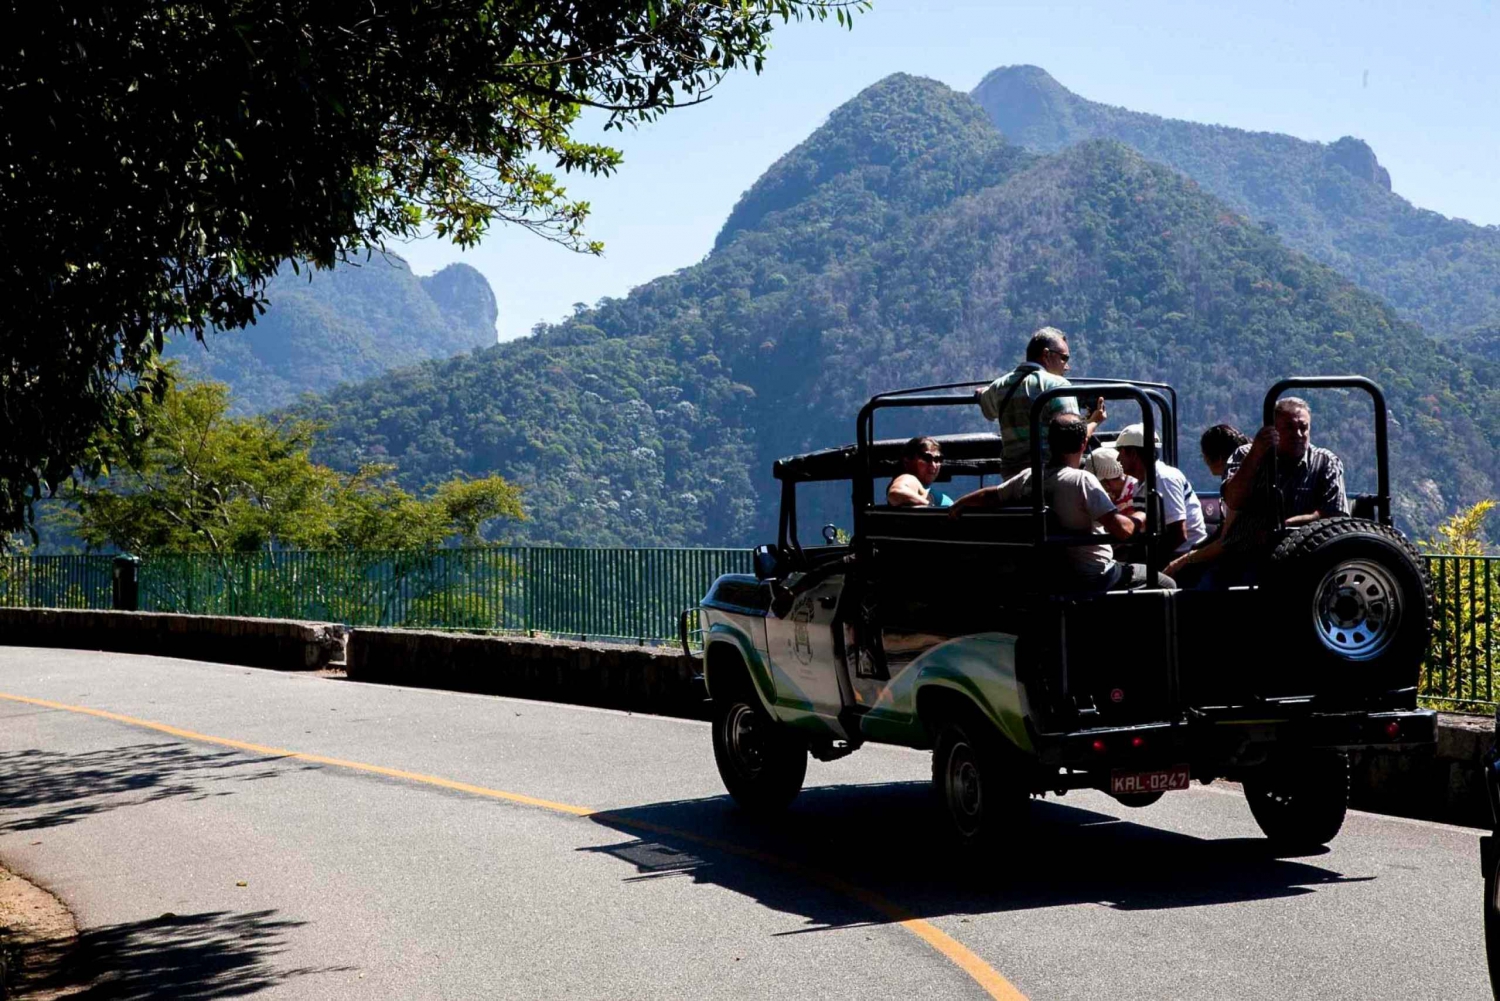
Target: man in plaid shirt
(1309, 486)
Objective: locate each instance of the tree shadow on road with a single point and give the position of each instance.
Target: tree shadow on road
(885, 840)
(196, 957)
(41, 789)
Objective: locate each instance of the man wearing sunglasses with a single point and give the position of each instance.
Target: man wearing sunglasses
(921, 460)
(1008, 398)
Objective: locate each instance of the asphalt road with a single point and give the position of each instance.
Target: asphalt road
(418, 844)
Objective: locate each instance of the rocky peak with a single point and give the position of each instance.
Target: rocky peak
(1356, 156)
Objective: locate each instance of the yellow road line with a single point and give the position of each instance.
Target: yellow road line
(981, 972)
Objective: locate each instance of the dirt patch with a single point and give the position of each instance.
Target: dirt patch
(36, 933)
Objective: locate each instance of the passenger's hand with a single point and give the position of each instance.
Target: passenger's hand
(1265, 441)
(1098, 415)
(1171, 568)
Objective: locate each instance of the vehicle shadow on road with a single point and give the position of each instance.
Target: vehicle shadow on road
(41, 789)
(886, 840)
(216, 954)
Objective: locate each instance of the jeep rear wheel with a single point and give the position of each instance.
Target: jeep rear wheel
(761, 763)
(1300, 801)
(978, 789)
(1356, 599)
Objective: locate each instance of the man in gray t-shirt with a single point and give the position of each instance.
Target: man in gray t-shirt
(1080, 504)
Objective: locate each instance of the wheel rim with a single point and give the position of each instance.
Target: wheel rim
(745, 737)
(1358, 610)
(964, 788)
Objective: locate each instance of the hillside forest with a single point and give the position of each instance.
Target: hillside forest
(908, 241)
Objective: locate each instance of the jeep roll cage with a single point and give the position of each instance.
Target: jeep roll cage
(966, 455)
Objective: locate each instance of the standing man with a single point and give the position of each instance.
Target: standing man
(1008, 399)
(1182, 512)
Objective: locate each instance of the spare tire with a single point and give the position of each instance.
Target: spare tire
(1351, 599)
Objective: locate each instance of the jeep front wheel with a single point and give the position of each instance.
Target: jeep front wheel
(984, 801)
(762, 765)
(1299, 802)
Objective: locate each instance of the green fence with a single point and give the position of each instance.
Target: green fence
(630, 594)
(619, 594)
(55, 581)
(1460, 669)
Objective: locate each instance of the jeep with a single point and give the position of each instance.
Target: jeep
(956, 635)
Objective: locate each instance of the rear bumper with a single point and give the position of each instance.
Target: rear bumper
(1210, 744)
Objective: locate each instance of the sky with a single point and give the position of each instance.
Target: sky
(1419, 82)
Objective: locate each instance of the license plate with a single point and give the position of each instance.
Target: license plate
(1157, 780)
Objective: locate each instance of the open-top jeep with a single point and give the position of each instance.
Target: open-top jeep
(956, 634)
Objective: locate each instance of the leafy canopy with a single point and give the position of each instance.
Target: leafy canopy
(207, 482)
(161, 159)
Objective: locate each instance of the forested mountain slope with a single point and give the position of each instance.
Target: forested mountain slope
(1332, 201)
(904, 242)
(324, 328)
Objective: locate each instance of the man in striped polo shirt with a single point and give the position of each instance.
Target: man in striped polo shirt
(1008, 399)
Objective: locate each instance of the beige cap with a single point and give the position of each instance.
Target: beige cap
(1105, 464)
(1133, 436)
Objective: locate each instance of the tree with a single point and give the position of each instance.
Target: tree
(204, 482)
(161, 159)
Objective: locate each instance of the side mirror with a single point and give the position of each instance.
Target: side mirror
(766, 562)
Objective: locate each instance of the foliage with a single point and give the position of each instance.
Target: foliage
(163, 159)
(351, 323)
(1460, 661)
(207, 482)
(1331, 201)
(904, 243)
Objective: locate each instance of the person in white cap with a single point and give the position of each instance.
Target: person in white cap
(1182, 525)
(1080, 504)
(1104, 463)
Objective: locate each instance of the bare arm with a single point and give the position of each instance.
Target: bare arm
(1174, 535)
(906, 491)
(1118, 524)
(1203, 554)
(983, 497)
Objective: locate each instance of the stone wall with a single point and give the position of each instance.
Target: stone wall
(638, 678)
(275, 643)
(1445, 783)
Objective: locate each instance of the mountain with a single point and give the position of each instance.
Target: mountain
(323, 328)
(905, 242)
(1331, 201)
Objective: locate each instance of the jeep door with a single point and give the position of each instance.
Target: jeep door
(805, 657)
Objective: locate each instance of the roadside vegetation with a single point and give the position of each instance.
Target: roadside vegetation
(163, 160)
(1463, 657)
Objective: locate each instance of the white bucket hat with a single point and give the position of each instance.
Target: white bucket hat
(1105, 464)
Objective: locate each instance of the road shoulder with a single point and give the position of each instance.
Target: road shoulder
(36, 933)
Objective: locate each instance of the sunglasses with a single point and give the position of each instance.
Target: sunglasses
(1061, 354)
(929, 457)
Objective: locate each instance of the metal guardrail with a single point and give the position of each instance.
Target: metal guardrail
(631, 595)
(56, 581)
(1459, 672)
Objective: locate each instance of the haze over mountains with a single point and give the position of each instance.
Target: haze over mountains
(1331, 201)
(905, 242)
(352, 323)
